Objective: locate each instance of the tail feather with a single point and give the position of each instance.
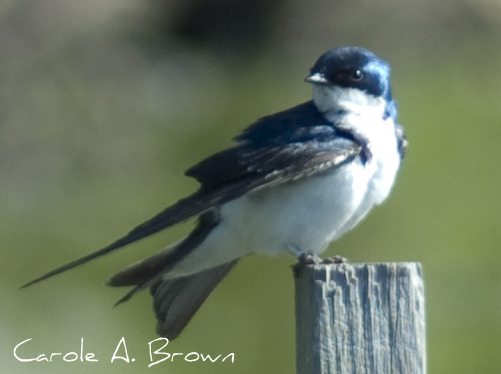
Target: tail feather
(146, 272)
(177, 300)
(142, 271)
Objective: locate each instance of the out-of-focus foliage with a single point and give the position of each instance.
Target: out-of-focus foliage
(103, 105)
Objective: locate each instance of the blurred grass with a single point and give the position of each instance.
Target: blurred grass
(83, 160)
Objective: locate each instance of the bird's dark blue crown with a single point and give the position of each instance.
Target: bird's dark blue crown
(355, 67)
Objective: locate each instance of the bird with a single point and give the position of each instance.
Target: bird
(293, 182)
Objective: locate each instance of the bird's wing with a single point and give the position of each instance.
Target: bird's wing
(232, 173)
(401, 141)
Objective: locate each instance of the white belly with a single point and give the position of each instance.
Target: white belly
(302, 216)
(305, 216)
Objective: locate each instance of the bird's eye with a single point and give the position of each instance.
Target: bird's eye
(356, 75)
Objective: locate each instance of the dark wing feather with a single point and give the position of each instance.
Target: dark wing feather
(401, 141)
(144, 273)
(232, 173)
(251, 168)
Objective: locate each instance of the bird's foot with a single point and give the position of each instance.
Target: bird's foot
(309, 259)
(335, 260)
(305, 260)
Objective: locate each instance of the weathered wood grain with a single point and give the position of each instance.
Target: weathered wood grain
(360, 318)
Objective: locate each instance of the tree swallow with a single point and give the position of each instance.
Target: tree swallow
(293, 182)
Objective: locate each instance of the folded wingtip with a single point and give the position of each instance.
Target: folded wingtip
(26, 284)
(45, 276)
(61, 269)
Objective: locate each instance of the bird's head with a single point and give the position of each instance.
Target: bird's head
(348, 78)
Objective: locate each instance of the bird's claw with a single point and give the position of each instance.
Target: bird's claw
(309, 259)
(335, 260)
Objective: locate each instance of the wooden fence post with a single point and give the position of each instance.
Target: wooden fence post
(360, 318)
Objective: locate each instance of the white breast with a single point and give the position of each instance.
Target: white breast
(303, 215)
(363, 114)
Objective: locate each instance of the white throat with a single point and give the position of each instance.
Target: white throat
(362, 114)
(330, 100)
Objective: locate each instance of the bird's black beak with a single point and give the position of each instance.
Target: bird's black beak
(317, 78)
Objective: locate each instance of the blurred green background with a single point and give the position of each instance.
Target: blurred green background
(104, 104)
